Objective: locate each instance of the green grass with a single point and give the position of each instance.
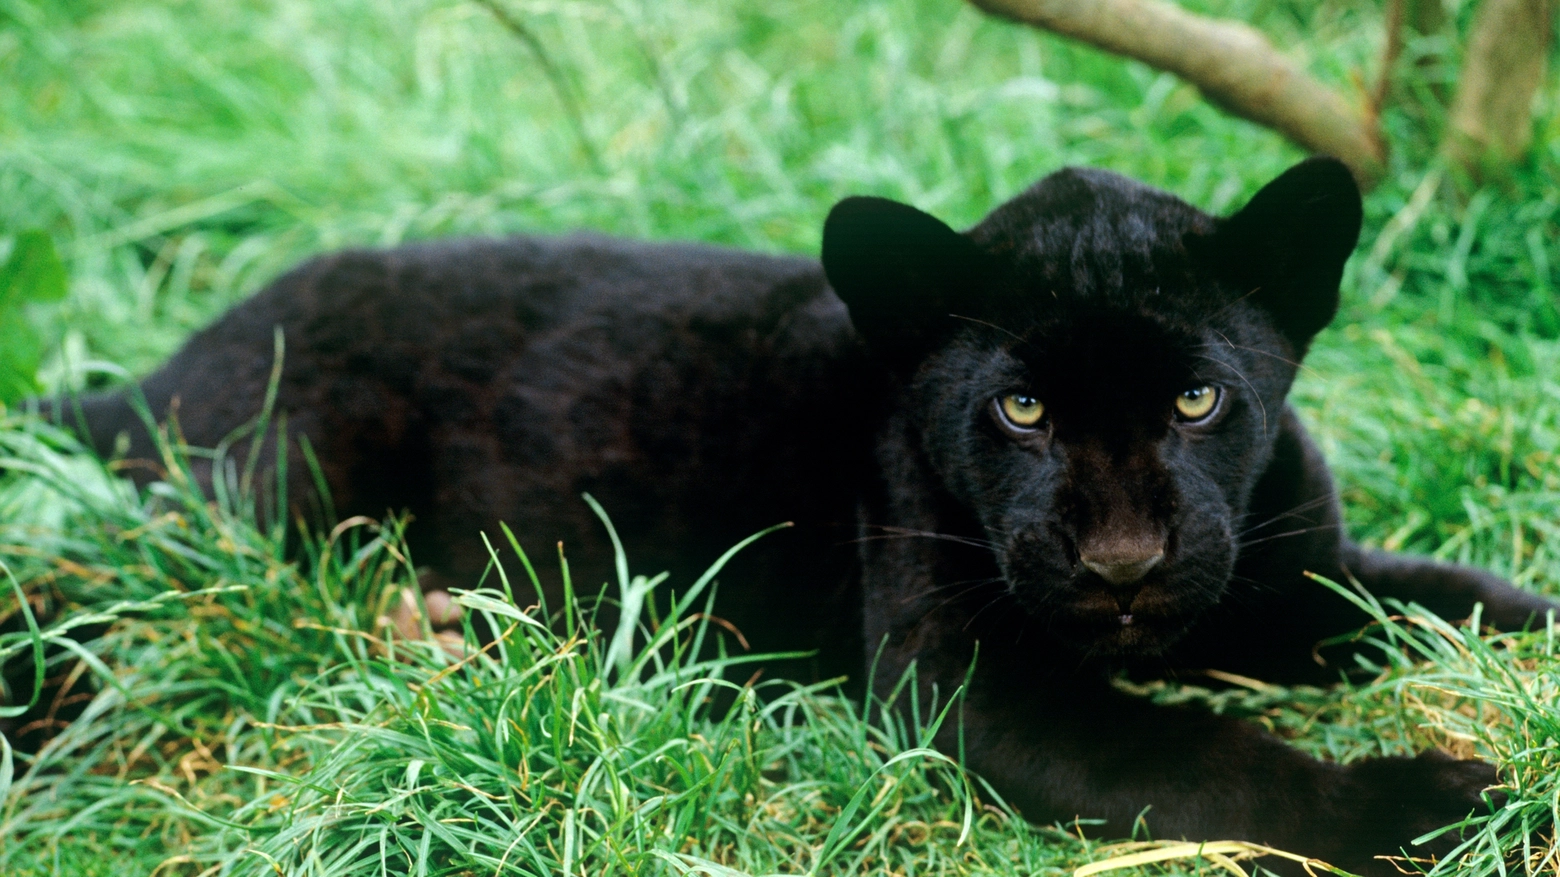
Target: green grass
(254, 711)
(260, 713)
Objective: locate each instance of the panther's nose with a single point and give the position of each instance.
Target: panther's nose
(1122, 564)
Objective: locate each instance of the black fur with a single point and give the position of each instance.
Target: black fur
(702, 394)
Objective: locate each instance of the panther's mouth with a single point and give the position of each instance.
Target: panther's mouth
(1130, 634)
(1141, 615)
(1101, 622)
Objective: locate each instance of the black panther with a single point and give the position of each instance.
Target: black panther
(1061, 435)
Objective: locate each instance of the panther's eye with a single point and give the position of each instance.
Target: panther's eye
(1196, 404)
(1022, 412)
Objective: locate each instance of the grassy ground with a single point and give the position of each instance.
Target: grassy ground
(259, 721)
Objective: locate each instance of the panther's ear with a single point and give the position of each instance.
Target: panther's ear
(1286, 248)
(899, 272)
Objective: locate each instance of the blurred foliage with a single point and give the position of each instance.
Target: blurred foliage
(31, 274)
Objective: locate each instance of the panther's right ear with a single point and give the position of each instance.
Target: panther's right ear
(898, 270)
(1285, 249)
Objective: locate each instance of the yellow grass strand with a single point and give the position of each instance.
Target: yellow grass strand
(1223, 854)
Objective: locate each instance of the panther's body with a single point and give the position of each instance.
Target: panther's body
(1061, 435)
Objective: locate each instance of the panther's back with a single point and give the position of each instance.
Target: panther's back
(699, 393)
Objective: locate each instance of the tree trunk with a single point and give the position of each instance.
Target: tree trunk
(1233, 65)
(1491, 120)
(1426, 17)
(1422, 19)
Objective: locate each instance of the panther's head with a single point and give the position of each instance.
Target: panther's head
(1096, 372)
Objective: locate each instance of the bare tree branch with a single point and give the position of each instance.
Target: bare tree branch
(1426, 17)
(1389, 56)
(1233, 65)
(1491, 117)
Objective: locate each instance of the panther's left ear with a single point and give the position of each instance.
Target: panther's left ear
(899, 271)
(1286, 248)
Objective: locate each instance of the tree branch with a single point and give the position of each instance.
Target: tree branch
(1389, 56)
(1491, 119)
(1233, 65)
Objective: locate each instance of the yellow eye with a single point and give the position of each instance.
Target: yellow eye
(1196, 404)
(1022, 411)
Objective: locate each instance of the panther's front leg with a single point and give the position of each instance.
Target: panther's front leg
(1278, 613)
(1090, 751)
(1448, 590)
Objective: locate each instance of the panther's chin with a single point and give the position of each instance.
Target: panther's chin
(1085, 614)
(1134, 637)
(1121, 635)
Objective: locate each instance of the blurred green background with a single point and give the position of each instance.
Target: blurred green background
(179, 154)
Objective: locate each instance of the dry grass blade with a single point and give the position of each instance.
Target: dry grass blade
(1224, 854)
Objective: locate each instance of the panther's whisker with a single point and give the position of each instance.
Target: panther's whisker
(907, 533)
(1247, 543)
(1007, 332)
(969, 585)
(982, 610)
(1296, 511)
(959, 596)
(1298, 365)
(1258, 396)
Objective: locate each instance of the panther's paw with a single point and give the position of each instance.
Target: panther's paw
(1388, 802)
